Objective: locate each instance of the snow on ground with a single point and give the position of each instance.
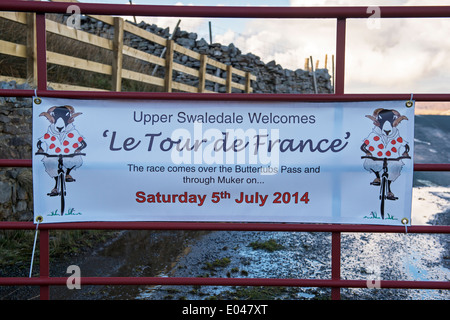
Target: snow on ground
(429, 201)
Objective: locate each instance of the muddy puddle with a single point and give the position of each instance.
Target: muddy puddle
(133, 253)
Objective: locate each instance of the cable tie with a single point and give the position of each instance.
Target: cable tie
(39, 219)
(410, 103)
(405, 222)
(36, 99)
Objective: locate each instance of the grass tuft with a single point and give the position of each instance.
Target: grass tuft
(269, 245)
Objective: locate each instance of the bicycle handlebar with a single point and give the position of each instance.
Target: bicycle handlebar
(60, 155)
(388, 159)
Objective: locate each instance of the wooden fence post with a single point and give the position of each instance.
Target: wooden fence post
(202, 72)
(31, 49)
(248, 84)
(229, 77)
(314, 75)
(117, 54)
(332, 72)
(169, 66)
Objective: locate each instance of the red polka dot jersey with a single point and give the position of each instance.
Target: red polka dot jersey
(65, 143)
(384, 147)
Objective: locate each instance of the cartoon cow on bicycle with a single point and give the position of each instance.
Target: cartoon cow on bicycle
(61, 138)
(386, 144)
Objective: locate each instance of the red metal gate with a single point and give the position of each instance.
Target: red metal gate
(340, 14)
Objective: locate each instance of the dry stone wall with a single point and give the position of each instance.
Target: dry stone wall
(271, 77)
(16, 185)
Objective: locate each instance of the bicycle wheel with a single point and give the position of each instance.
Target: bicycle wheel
(383, 196)
(62, 190)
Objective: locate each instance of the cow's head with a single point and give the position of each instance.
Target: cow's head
(387, 120)
(60, 117)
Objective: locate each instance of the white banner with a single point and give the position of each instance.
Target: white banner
(113, 160)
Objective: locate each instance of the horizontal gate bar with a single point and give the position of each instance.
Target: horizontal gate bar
(432, 167)
(229, 11)
(15, 163)
(417, 166)
(223, 226)
(271, 97)
(228, 282)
